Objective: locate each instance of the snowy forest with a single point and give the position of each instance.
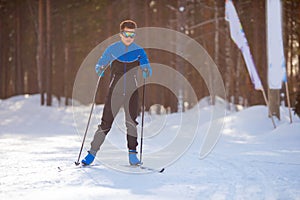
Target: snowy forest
(43, 43)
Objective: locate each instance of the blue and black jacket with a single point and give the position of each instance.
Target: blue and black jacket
(124, 61)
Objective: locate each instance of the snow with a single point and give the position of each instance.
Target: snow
(251, 160)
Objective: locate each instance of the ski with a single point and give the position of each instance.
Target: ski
(63, 168)
(150, 169)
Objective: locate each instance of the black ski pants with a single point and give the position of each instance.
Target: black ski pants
(112, 105)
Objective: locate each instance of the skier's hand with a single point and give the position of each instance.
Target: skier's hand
(147, 72)
(100, 70)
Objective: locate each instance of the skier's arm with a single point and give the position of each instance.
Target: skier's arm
(144, 63)
(103, 62)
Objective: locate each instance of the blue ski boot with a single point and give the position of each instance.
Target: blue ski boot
(88, 159)
(133, 160)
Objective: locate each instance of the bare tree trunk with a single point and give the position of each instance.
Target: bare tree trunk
(216, 42)
(49, 54)
(66, 74)
(228, 63)
(4, 63)
(274, 99)
(2, 66)
(67, 58)
(40, 52)
(19, 83)
(181, 20)
(216, 49)
(237, 77)
(70, 53)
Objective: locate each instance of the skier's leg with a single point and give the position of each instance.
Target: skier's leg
(106, 122)
(103, 129)
(131, 112)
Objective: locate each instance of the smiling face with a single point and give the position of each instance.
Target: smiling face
(127, 36)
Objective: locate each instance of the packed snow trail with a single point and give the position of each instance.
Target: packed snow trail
(251, 160)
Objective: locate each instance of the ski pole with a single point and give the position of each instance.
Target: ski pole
(88, 123)
(143, 113)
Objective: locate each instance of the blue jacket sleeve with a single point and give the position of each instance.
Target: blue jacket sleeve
(105, 59)
(144, 62)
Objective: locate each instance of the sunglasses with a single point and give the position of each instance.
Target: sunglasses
(128, 34)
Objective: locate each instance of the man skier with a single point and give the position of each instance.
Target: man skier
(122, 56)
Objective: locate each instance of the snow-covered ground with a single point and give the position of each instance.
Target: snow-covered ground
(251, 160)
